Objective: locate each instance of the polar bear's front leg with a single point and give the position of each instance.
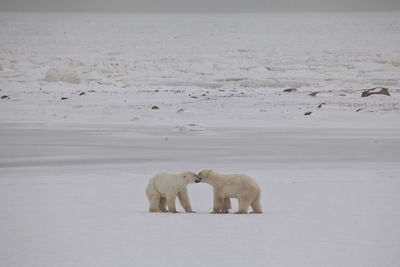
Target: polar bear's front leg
(163, 204)
(218, 202)
(185, 202)
(171, 204)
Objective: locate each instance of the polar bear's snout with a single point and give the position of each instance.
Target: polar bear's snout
(198, 179)
(203, 175)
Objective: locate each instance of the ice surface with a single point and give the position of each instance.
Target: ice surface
(74, 195)
(74, 167)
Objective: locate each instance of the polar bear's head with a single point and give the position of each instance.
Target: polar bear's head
(191, 177)
(205, 175)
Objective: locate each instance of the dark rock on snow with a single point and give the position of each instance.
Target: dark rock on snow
(376, 91)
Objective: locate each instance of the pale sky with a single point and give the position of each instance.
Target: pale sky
(199, 5)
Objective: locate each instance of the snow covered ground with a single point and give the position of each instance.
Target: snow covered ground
(73, 171)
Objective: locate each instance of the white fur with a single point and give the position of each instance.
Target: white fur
(239, 186)
(163, 189)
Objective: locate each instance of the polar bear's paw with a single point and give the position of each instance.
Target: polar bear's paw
(241, 212)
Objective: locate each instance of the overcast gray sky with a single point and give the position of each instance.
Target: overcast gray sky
(199, 5)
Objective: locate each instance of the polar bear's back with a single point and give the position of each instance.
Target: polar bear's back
(234, 184)
(163, 183)
(239, 179)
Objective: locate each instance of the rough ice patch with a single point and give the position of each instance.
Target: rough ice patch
(62, 75)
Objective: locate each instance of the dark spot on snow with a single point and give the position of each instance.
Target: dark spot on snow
(289, 90)
(155, 107)
(320, 105)
(64, 98)
(180, 110)
(313, 93)
(5, 97)
(307, 113)
(83, 93)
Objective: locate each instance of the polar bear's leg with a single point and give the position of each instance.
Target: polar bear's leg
(256, 206)
(163, 204)
(171, 204)
(227, 205)
(185, 202)
(154, 203)
(244, 204)
(218, 202)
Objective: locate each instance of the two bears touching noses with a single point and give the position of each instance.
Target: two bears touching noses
(163, 189)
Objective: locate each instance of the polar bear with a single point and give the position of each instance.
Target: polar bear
(239, 186)
(163, 189)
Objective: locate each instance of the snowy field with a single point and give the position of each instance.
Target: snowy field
(79, 138)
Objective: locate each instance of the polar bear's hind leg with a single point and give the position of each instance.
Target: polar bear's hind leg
(256, 206)
(243, 206)
(154, 203)
(227, 205)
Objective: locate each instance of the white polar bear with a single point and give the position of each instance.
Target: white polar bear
(239, 186)
(163, 189)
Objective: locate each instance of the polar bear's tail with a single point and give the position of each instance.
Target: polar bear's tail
(150, 188)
